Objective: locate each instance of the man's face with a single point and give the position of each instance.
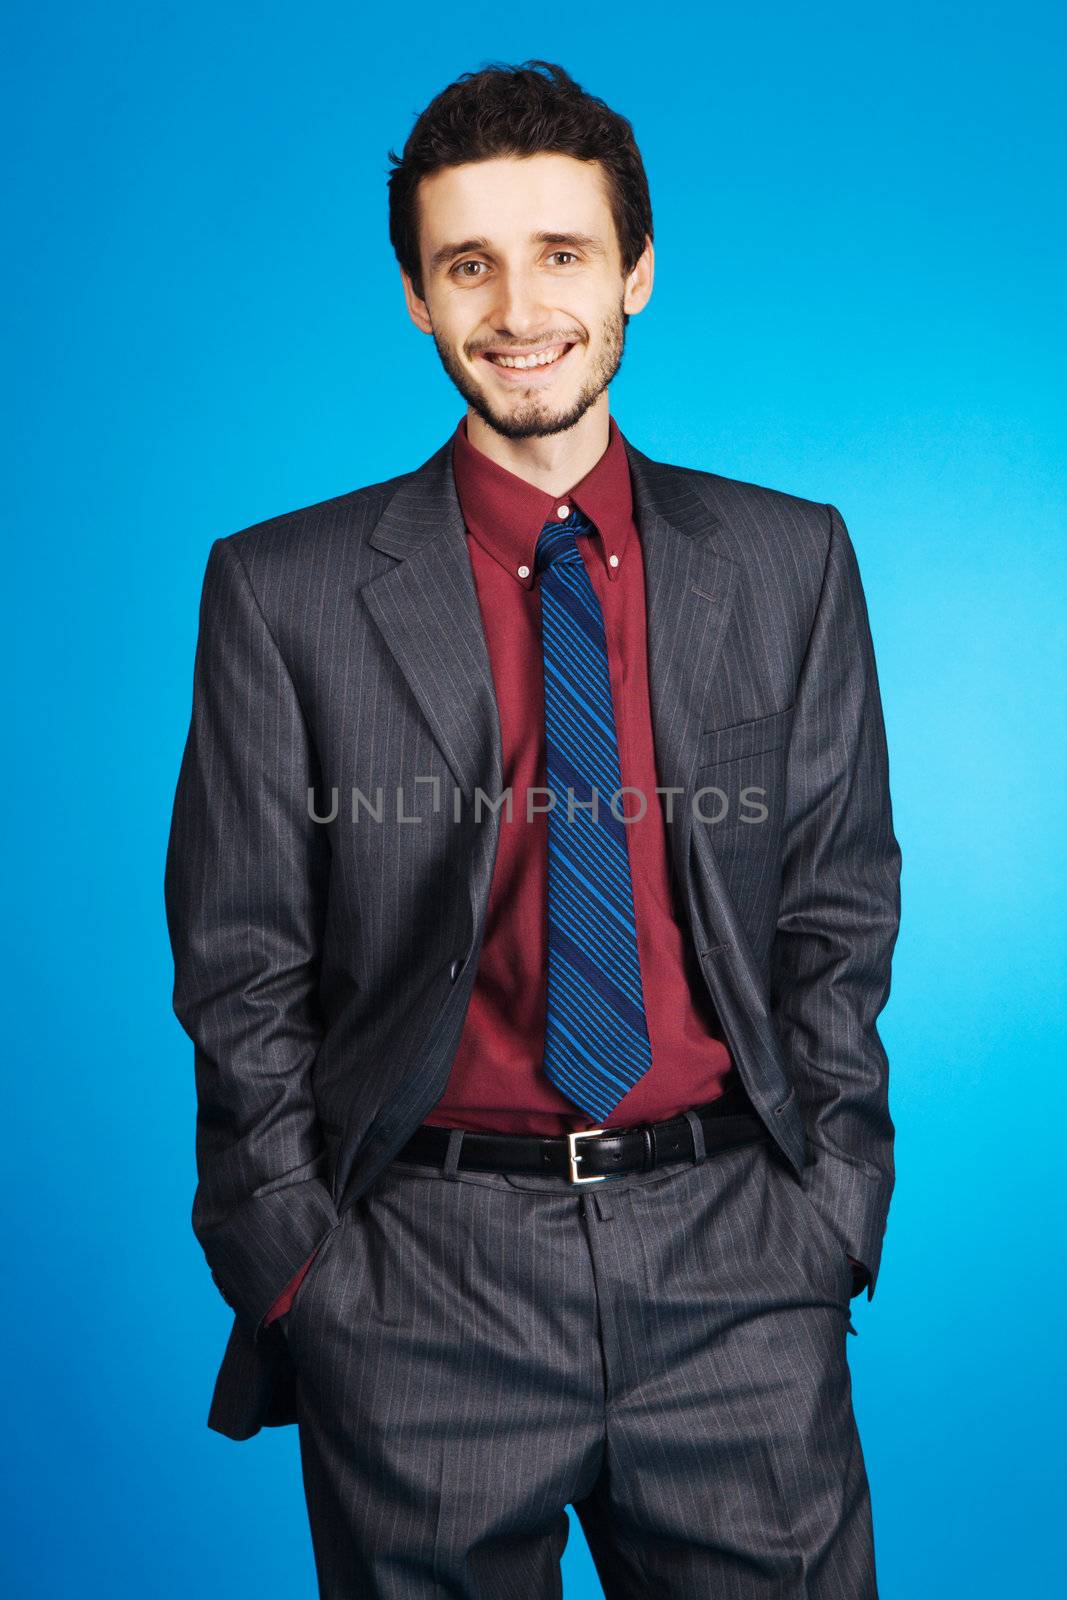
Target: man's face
(521, 260)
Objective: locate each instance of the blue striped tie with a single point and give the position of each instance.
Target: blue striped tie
(596, 1035)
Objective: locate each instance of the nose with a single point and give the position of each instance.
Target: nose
(519, 312)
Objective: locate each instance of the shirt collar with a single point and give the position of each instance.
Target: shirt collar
(505, 513)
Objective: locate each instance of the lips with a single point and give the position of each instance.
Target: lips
(527, 375)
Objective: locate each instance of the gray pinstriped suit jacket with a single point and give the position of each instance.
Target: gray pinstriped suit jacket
(323, 970)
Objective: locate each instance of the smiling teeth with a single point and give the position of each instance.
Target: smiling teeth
(541, 359)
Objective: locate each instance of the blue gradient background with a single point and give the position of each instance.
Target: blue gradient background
(857, 299)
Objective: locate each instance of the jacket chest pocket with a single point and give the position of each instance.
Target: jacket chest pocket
(759, 736)
(738, 799)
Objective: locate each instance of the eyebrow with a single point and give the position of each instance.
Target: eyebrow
(583, 241)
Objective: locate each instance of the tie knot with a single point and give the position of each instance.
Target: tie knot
(556, 541)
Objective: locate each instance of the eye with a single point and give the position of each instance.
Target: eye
(458, 270)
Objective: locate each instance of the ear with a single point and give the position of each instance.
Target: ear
(639, 281)
(417, 311)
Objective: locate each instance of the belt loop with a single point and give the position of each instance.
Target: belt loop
(455, 1140)
(699, 1151)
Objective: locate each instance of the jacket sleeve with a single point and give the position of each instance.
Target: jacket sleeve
(245, 891)
(839, 914)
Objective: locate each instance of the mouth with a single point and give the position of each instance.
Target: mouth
(527, 367)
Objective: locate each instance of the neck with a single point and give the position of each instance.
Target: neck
(554, 462)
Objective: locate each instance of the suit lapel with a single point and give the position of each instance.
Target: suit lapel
(428, 612)
(690, 587)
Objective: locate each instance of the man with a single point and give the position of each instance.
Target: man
(541, 1146)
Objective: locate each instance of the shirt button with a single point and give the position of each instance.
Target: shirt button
(524, 572)
(563, 512)
(613, 561)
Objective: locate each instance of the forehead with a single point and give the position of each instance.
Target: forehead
(508, 199)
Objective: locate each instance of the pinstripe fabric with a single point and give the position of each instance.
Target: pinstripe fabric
(596, 1034)
(665, 1352)
(323, 971)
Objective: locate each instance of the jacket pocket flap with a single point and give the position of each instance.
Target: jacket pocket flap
(745, 738)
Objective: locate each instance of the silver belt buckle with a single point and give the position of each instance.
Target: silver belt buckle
(574, 1157)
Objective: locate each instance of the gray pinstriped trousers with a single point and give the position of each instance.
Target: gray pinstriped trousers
(664, 1351)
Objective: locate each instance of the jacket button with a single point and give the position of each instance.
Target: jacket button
(455, 969)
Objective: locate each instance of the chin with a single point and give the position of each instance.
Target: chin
(527, 419)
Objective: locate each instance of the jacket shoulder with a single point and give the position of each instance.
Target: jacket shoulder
(779, 542)
(294, 533)
(753, 518)
(757, 495)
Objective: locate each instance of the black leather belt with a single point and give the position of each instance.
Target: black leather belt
(594, 1153)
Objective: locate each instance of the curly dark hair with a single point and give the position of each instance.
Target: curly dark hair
(522, 110)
